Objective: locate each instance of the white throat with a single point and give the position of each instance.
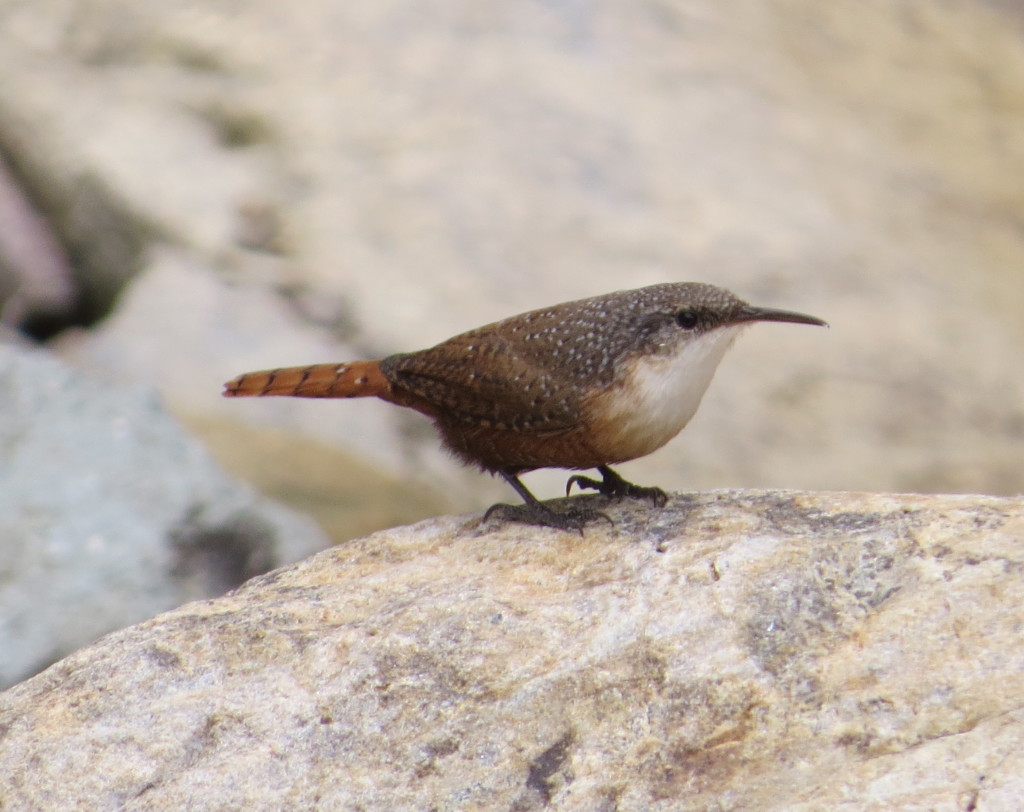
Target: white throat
(663, 393)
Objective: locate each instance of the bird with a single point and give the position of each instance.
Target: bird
(585, 384)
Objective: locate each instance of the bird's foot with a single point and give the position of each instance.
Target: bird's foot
(575, 518)
(613, 485)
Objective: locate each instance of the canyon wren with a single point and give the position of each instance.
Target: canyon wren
(578, 385)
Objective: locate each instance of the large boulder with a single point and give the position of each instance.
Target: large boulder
(735, 651)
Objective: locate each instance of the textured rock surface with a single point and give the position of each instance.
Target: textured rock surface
(404, 169)
(110, 513)
(736, 651)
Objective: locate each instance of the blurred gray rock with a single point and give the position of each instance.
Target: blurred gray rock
(773, 651)
(110, 513)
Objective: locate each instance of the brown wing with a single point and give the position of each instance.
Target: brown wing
(480, 379)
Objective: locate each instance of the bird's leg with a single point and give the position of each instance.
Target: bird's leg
(536, 512)
(613, 485)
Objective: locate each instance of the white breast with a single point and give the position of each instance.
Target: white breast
(660, 397)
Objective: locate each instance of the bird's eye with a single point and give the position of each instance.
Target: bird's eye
(687, 319)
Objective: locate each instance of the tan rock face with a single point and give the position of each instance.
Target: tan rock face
(737, 650)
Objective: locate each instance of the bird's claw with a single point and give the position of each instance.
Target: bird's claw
(616, 487)
(575, 518)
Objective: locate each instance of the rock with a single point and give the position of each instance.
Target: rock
(35, 276)
(110, 513)
(338, 464)
(734, 651)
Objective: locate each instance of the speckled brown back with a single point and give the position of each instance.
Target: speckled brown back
(530, 373)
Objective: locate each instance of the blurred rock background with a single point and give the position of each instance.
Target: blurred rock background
(111, 513)
(192, 190)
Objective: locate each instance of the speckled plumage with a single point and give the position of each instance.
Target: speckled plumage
(576, 385)
(530, 372)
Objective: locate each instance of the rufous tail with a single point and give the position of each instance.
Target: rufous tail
(358, 379)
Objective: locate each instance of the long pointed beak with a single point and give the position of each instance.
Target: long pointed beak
(751, 313)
